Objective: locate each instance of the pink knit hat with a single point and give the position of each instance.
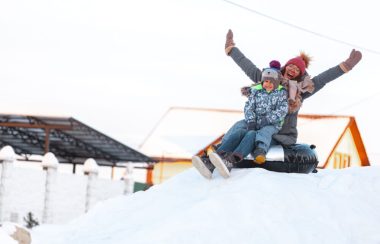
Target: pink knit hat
(302, 62)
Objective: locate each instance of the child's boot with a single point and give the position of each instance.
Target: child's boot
(259, 155)
(203, 165)
(223, 162)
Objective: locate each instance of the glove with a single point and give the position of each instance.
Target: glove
(355, 57)
(251, 126)
(245, 91)
(229, 42)
(264, 122)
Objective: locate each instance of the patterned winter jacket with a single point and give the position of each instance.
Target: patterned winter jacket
(270, 107)
(288, 134)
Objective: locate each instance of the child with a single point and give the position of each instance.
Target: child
(264, 113)
(295, 81)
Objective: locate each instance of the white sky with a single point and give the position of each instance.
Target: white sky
(119, 65)
(253, 206)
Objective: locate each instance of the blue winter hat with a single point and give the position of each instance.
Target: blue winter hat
(273, 73)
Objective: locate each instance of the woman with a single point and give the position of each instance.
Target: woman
(294, 69)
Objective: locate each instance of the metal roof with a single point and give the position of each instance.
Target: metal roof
(69, 139)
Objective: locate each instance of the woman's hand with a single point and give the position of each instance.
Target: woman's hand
(229, 42)
(353, 59)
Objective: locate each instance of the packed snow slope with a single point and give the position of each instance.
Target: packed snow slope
(253, 206)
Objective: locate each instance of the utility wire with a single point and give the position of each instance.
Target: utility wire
(303, 29)
(319, 35)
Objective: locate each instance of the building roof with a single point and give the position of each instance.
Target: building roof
(327, 132)
(184, 132)
(70, 140)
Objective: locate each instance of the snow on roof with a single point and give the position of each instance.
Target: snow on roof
(182, 132)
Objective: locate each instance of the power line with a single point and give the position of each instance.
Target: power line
(303, 29)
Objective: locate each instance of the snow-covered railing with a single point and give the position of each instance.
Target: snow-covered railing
(7, 157)
(50, 165)
(51, 196)
(128, 179)
(91, 169)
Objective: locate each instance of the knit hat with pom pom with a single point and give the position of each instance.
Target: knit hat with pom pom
(273, 73)
(301, 61)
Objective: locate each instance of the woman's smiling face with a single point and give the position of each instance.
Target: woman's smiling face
(291, 72)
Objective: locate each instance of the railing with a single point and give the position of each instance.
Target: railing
(88, 187)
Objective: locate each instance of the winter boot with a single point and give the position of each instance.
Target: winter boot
(223, 162)
(259, 155)
(203, 165)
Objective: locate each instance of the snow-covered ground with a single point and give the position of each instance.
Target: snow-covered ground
(253, 206)
(6, 230)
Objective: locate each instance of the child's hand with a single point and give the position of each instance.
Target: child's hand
(264, 122)
(251, 126)
(245, 91)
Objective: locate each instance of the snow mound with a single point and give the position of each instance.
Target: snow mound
(253, 206)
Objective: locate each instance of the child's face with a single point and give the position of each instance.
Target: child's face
(291, 71)
(268, 85)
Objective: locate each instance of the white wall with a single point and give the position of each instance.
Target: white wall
(25, 188)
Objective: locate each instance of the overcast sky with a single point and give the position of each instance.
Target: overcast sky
(119, 65)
